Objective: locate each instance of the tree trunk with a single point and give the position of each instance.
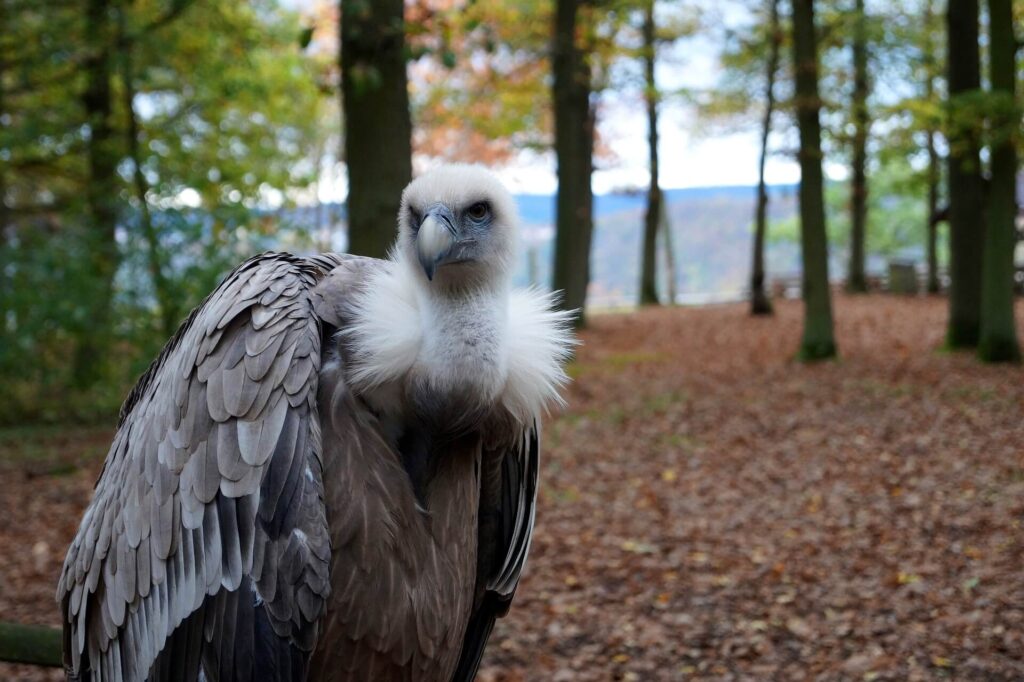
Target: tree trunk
(100, 195)
(649, 266)
(759, 302)
(378, 130)
(166, 301)
(574, 149)
(4, 211)
(933, 210)
(818, 342)
(966, 207)
(856, 281)
(998, 335)
(933, 159)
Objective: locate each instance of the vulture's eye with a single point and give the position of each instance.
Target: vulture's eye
(479, 211)
(414, 218)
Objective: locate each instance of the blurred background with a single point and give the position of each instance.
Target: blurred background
(724, 188)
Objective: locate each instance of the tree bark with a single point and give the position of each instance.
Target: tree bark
(166, 301)
(649, 265)
(378, 130)
(933, 210)
(4, 212)
(998, 335)
(759, 301)
(574, 148)
(966, 207)
(100, 195)
(856, 281)
(818, 342)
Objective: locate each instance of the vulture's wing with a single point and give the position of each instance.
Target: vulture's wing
(508, 502)
(206, 540)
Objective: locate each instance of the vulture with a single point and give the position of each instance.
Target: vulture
(330, 471)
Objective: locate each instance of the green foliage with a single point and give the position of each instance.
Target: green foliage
(896, 217)
(229, 113)
(233, 107)
(734, 103)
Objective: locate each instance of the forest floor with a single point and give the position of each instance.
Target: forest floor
(711, 509)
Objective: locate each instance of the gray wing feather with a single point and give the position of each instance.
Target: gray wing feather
(508, 503)
(211, 486)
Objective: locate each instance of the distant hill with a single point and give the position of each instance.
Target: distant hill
(711, 229)
(539, 209)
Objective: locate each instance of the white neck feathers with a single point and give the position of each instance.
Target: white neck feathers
(507, 348)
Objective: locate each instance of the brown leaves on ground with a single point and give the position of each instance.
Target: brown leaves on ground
(712, 509)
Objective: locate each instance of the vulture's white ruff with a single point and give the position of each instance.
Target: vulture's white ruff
(390, 322)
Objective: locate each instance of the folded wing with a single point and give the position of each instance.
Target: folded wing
(206, 541)
(508, 502)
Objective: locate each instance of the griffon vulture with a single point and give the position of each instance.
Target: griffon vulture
(330, 470)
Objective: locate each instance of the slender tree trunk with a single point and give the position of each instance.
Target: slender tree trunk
(378, 130)
(998, 335)
(671, 274)
(933, 158)
(818, 341)
(4, 210)
(166, 301)
(5, 213)
(574, 149)
(100, 195)
(649, 266)
(966, 206)
(933, 210)
(856, 280)
(759, 301)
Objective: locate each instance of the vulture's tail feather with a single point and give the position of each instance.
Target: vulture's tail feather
(249, 649)
(180, 657)
(477, 634)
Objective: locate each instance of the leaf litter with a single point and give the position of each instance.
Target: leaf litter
(712, 509)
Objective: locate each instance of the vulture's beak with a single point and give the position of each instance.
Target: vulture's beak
(435, 238)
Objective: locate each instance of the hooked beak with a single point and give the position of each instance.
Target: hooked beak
(435, 238)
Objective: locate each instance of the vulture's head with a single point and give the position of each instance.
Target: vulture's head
(458, 224)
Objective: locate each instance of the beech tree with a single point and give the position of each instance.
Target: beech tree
(818, 342)
(653, 213)
(856, 280)
(998, 333)
(760, 304)
(574, 151)
(378, 129)
(966, 206)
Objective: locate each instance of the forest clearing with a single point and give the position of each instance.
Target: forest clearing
(712, 509)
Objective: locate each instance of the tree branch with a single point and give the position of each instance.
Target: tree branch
(32, 644)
